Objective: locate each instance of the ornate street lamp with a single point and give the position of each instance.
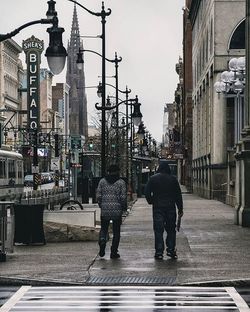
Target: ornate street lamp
(136, 115)
(56, 53)
(141, 131)
(232, 82)
(99, 90)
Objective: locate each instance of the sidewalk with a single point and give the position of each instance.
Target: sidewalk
(210, 249)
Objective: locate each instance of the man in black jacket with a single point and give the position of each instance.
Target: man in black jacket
(164, 193)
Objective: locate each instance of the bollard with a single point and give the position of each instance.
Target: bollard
(3, 228)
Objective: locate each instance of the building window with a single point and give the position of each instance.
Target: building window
(238, 38)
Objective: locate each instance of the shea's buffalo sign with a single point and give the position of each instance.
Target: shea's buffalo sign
(33, 48)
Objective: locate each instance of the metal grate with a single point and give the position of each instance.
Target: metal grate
(125, 299)
(131, 280)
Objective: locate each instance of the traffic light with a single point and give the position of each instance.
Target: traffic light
(91, 145)
(56, 137)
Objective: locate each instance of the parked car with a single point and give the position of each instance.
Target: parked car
(28, 180)
(46, 177)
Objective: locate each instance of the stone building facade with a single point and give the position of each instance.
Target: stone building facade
(187, 109)
(11, 72)
(214, 25)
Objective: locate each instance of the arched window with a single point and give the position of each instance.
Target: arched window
(238, 37)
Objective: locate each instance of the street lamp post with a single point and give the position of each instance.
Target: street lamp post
(100, 91)
(117, 100)
(231, 84)
(136, 117)
(237, 80)
(126, 92)
(116, 60)
(103, 14)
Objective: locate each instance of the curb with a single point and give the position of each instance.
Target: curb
(13, 281)
(10, 281)
(220, 283)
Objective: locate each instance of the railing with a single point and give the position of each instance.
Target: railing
(47, 197)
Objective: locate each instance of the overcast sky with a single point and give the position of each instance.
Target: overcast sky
(146, 34)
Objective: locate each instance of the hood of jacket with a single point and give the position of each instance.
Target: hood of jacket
(164, 167)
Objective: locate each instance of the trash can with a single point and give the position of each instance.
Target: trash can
(29, 224)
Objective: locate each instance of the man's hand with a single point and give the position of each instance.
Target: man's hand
(180, 213)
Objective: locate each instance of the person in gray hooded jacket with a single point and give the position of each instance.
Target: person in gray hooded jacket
(112, 199)
(164, 193)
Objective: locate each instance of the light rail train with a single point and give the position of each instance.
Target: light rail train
(11, 175)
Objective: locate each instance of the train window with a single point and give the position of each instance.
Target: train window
(2, 169)
(20, 169)
(11, 168)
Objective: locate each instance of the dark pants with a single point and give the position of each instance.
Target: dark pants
(116, 228)
(164, 220)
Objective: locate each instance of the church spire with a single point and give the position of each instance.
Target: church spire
(75, 32)
(78, 122)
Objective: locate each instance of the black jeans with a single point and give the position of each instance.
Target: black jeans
(116, 228)
(164, 220)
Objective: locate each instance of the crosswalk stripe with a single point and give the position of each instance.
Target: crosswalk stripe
(125, 298)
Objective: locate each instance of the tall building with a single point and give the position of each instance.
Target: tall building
(78, 122)
(60, 104)
(217, 36)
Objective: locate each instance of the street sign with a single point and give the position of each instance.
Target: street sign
(54, 164)
(77, 141)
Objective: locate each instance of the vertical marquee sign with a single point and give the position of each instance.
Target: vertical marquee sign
(33, 48)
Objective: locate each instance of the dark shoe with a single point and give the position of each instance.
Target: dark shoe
(172, 254)
(114, 255)
(158, 256)
(102, 245)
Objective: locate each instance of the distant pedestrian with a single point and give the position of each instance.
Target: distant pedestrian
(164, 193)
(112, 199)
